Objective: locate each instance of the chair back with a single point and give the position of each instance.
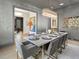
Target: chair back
(65, 37)
(62, 39)
(53, 47)
(60, 42)
(29, 50)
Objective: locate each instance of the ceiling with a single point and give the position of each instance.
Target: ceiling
(51, 3)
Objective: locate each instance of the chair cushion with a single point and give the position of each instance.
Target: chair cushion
(29, 46)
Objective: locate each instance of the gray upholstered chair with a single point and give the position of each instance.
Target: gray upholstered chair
(25, 51)
(29, 50)
(52, 51)
(64, 40)
(61, 44)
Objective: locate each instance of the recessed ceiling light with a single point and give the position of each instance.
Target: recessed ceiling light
(61, 4)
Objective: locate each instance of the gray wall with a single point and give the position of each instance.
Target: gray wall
(69, 11)
(7, 21)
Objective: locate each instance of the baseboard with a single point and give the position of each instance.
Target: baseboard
(5, 45)
(76, 39)
(73, 39)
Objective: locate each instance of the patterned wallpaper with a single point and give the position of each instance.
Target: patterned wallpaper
(71, 22)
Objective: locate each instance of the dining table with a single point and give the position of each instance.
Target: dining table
(42, 39)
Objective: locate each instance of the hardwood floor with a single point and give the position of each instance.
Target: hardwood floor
(8, 52)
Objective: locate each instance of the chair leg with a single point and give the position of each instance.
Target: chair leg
(60, 50)
(36, 56)
(56, 55)
(64, 45)
(17, 55)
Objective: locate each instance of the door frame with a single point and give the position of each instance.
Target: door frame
(13, 29)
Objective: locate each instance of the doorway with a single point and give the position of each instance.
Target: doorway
(25, 20)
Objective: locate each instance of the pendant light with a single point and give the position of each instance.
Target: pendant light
(47, 12)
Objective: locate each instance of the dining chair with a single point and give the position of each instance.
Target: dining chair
(64, 40)
(60, 43)
(25, 50)
(52, 51)
(29, 50)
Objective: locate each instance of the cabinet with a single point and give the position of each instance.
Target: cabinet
(54, 23)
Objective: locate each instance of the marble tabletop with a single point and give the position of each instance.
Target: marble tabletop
(42, 41)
